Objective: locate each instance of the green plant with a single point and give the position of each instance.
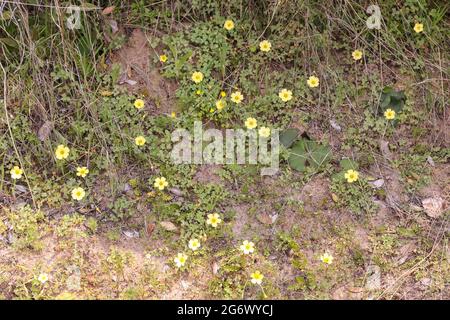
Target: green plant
(27, 227)
(357, 196)
(304, 153)
(392, 99)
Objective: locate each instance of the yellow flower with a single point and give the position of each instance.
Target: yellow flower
(265, 46)
(139, 140)
(389, 114)
(220, 104)
(264, 132)
(223, 94)
(313, 82)
(351, 175)
(229, 25)
(247, 247)
(16, 172)
(163, 58)
(256, 277)
(139, 103)
(418, 27)
(194, 244)
(43, 278)
(173, 114)
(251, 123)
(285, 95)
(160, 183)
(326, 258)
(180, 260)
(78, 193)
(82, 172)
(62, 152)
(237, 97)
(199, 92)
(197, 77)
(357, 54)
(213, 220)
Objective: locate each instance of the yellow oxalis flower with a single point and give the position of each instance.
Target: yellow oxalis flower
(237, 97)
(173, 114)
(313, 82)
(180, 260)
(223, 94)
(351, 175)
(285, 95)
(139, 103)
(251, 123)
(194, 244)
(389, 114)
(357, 54)
(247, 247)
(78, 193)
(163, 58)
(160, 183)
(82, 172)
(220, 104)
(213, 220)
(139, 140)
(256, 277)
(326, 258)
(265, 46)
(16, 172)
(264, 132)
(229, 25)
(62, 152)
(418, 27)
(197, 77)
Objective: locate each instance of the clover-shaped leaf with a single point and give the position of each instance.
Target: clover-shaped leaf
(307, 153)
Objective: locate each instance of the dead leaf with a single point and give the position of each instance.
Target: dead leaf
(434, 207)
(108, 10)
(114, 26)
(150, 228)
(20, 188)
(175, 191)
(334, 197)
(264, 218)
(384, 148)
(335, 125)
(215, 267)
(348, 293)
(373, 277)
(169, 226)
(45, 130)
(106, 93)
(131, 233)
(131, 82)
(377, 184)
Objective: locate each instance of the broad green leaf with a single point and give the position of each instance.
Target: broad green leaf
(288, 136)
(308, 153)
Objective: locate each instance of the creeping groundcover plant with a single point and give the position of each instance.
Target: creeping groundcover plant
(232, 150)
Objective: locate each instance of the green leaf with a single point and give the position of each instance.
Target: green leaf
(288, 136)
(308, 153)
(9, 42)
(347, 164)
(391, 99)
